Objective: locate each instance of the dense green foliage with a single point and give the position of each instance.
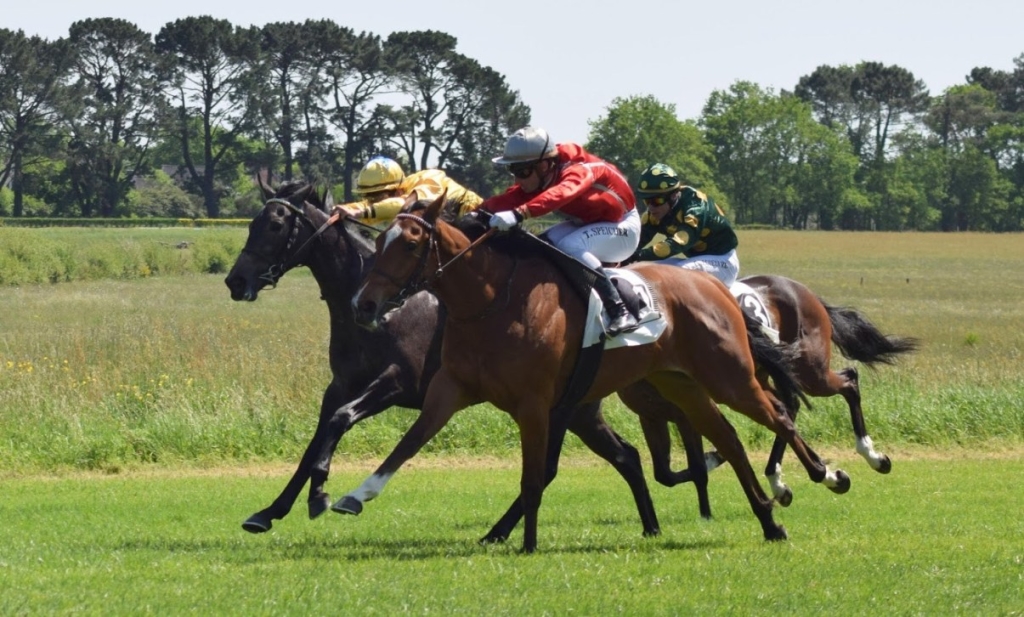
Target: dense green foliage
(86, 120)
(937, 536)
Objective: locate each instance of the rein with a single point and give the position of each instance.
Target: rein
(417, 281)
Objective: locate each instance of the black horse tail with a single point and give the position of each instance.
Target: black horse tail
(777, 360)
(858, 339)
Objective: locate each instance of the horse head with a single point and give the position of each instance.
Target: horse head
(407, 257)
(278, 237)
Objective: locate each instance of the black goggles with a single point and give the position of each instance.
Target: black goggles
(522, 170)
(657, 200)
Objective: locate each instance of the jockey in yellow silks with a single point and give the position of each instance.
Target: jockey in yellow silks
(384, 188)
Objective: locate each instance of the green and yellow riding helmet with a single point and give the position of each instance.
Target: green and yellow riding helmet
(658, 179)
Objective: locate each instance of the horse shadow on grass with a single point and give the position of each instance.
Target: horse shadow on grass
(337, 546)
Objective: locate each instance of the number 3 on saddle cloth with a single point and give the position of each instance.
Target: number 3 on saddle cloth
(753, 305)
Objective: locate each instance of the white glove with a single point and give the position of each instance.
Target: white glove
(503, 221)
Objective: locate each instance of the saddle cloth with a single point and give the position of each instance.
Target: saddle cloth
(638, 297)
(752, 304)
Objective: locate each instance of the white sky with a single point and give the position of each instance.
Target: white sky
(570, 58)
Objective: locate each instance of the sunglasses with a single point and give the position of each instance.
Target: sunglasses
(522, 170)
(659, 200)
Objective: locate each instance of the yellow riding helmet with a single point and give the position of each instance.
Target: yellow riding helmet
(379, 174)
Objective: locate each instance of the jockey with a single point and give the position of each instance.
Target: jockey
(697, 234)
(384, 188)
(602, 226)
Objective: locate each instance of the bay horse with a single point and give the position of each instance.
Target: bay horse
(813, 325)
(372, 371)
(512, 333)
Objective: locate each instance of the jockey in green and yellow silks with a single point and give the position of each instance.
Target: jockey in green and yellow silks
(698, 236)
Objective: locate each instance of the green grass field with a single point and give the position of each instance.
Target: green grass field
(938, 536)
(144, 416)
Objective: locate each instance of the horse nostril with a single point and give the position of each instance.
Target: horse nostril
(366, 311)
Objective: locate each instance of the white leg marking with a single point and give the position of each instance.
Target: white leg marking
(370, 488)
(712, 461)
(866, 448)
(775, 481)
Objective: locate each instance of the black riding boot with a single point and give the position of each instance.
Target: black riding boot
(619, 318)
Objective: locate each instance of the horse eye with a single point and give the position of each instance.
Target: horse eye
(275, 226)
(411, 245)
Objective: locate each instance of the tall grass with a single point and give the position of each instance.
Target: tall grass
(108, 374)
(57, 255)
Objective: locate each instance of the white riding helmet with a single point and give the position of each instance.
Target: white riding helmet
(527, 145)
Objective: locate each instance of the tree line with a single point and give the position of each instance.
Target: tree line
(88, 121)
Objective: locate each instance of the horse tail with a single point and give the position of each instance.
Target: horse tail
(777, 360)
(859, 339)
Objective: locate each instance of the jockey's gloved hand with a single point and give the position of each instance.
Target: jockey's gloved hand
(505, 220)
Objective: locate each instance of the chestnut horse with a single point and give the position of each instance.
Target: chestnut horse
(813, 325)
(372, 371)
(513, 331)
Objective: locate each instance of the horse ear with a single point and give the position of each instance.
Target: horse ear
(303, 194)
(327, 200)
(264, 188)
(434, 209)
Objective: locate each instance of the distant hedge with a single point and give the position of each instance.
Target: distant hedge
(119, 222)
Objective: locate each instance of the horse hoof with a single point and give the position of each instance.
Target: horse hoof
(784, 498)
(884, 465)
(257, 524)
(651, 533)
(778, 534)
(842, 483)
(318, 505)
(348, 505)
(493, 539)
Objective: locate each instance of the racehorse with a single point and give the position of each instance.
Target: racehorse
(813, 325)
(512, 335)
(372, 371)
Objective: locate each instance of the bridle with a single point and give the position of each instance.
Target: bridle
(417, 281)
(276, 270)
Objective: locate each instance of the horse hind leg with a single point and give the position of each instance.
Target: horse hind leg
(850, 391)
(835, 480)
(707, 419)
(655, 412)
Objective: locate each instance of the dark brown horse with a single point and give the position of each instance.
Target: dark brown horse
(512, 335)
(813, 325)
(372, 371)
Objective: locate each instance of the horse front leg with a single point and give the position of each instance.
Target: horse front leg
(541, 436)
(444, 397)
(380, 394)
(264, 519)
(589, 425)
